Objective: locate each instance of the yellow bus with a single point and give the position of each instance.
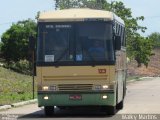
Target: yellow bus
(81, 60)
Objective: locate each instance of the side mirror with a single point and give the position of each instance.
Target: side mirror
(118, 42)
(32, 42)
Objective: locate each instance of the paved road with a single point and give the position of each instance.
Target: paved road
(143, 97)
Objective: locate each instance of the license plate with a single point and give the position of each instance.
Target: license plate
(75, 97)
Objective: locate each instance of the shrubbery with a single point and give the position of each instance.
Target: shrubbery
(22, 66)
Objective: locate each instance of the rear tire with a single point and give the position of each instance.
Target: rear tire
(48, 110)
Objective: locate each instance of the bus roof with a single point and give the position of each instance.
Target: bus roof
(80, 14)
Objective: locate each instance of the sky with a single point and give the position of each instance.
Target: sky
(11, 11)
(150, 9)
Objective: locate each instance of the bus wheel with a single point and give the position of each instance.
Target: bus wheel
(120, 105)
(48, 110)
(111, 110)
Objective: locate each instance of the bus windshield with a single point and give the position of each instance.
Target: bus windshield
(75, 42)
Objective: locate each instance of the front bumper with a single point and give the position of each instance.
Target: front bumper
(88, 99)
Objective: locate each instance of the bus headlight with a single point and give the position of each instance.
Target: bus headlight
(108, 87)
(51, 88)
(45, 88)
(104, 87)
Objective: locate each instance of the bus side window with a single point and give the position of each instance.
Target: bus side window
(120, 31)
(116, 28)
(124, 37)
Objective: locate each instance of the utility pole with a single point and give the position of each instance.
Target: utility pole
(32, 50)
(33, 71)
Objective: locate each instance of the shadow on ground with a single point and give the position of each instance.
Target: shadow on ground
(68, 113)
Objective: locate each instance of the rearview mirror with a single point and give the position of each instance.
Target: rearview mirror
(118, 42)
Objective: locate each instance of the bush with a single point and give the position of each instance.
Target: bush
(22, 66)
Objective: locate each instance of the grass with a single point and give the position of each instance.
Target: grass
(14, 87)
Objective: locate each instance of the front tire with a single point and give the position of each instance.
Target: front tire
(120, 105)
(48, 110)
(111, 110)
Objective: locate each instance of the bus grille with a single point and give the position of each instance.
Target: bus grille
(75, 87)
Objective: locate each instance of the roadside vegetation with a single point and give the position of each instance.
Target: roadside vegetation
(14, 87)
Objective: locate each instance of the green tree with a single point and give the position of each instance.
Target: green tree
(138, 47)
(95, 4)
(155, 37)
(14, 44)
(132, 36)
(142, 49)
